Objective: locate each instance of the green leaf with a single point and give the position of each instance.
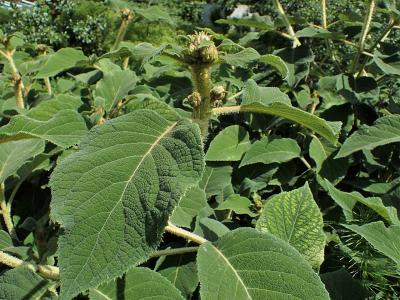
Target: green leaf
(154, 14)
(326, 166)
(295, 217)
(276, 62)
(347, 202)
(384, 239)
(47, 109)
(23, 283)
(241, 58)
(15, 154)
(269, 151)
(265, 95)
(246, 264)
(181, 271)
(390, 68)
(64, 129)
(215, 179)
(114, 86)
(114, 196)
(188, 207)
(138, 283)
(229, 144)
(146, 101)
(240, 205)
(385, 131)
(62, 60)
(258, 22)
(319, 33)
(341, 285)
(273, 105)
(5, 240)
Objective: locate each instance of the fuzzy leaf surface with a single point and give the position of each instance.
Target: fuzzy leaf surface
(114, 196)
(295, 217)
(386, 130)
(138, 283)
(23, 283)
(229, 144)
(62, 60)
(15, 154)
(246, 264)
(64, 129)
(269, 151)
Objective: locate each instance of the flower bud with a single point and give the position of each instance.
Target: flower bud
(201, 50)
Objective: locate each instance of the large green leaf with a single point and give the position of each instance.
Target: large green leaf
(385, 131)
(114, 87)
(241, 58)
(114, 196)
(189, 206)
(154, 14)
(246, 264)
(62, 60)
(295, 217)
(229, 144)
(326, 166)
(276, 62)
(384, 239)
(64, 129)
(256, 100)
(15, 154)
(347, 201)
(138, 283)
(215, 179)
(269, 151)
(23, 283)
(239, 204)
(55, 120)
(265, 95)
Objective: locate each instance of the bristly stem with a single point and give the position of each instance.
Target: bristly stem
(171, 228)
(364, 33)
(289, 27)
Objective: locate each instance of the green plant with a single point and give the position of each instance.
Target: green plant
(205, 168)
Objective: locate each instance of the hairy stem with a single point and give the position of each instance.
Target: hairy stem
(48, 85)
(201, 78)
(171, 228)
(125, 63)
(289, 27)
(6, 211)
(46, 271)
(175, 251)
(324, 18)
(364, 33)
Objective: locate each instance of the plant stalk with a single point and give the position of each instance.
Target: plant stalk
(48, 85)
(364, 33)
(174, 251)
(46, 271)
(16, 78)
(6, 211)
(324, 18)
(171, 228)
(289, 27)
(201, 77)
(126, 16)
